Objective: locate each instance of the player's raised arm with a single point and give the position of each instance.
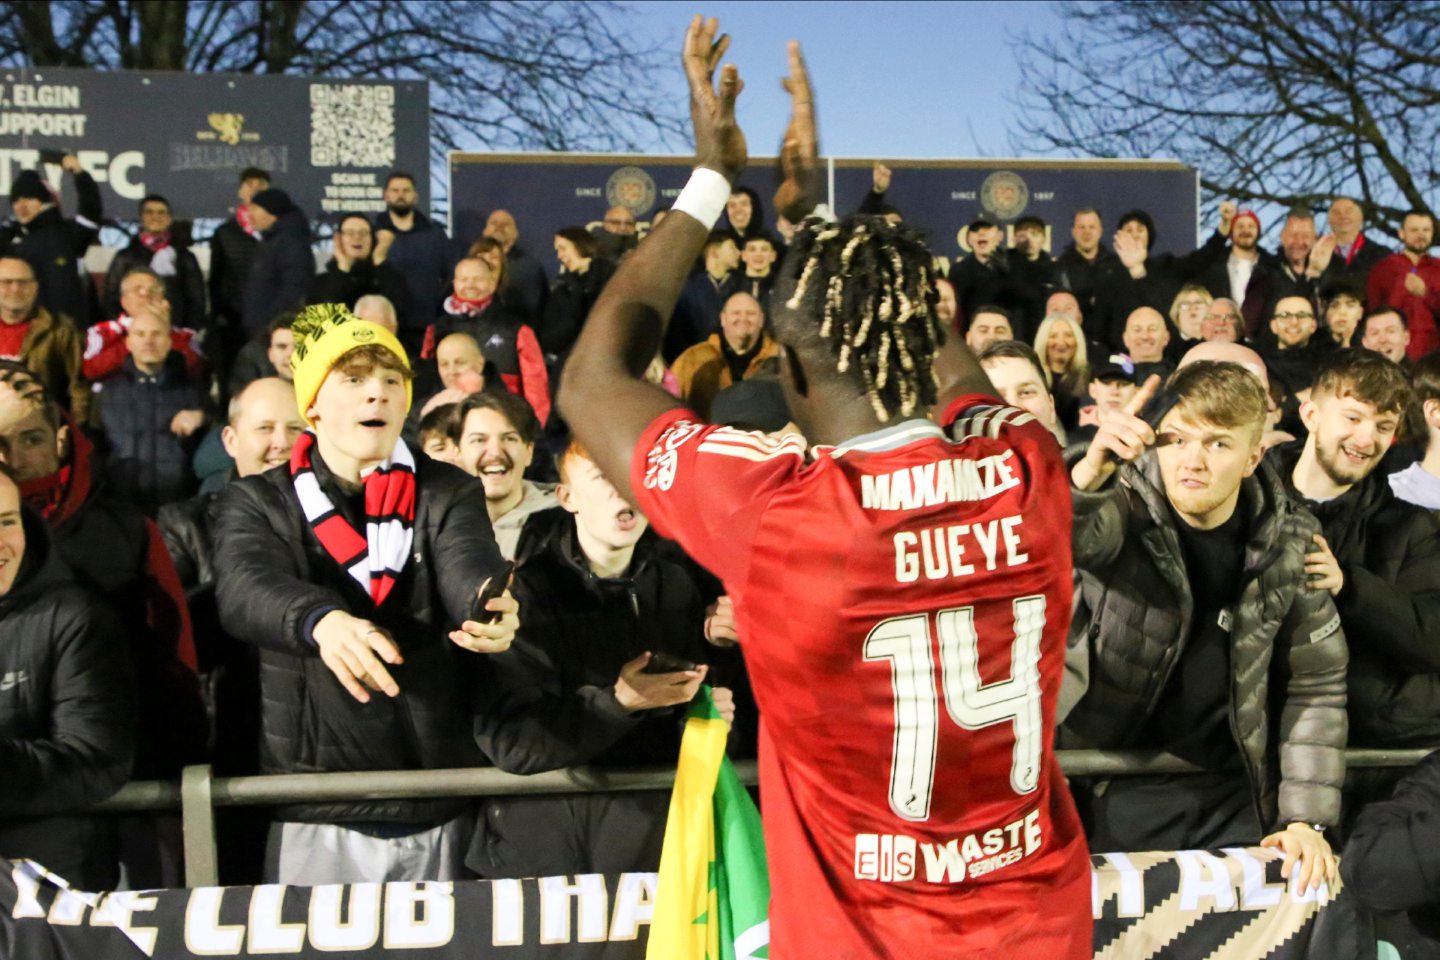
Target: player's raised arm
(799, 190)
(602, 395)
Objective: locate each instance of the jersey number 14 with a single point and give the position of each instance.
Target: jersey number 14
(971, 703)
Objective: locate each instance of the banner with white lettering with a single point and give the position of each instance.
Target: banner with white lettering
(548, 191)
(328, 143)
(1189, 905)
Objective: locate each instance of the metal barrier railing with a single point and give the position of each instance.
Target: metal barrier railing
(199, 792)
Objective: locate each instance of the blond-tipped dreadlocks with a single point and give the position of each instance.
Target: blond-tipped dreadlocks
(876, 291)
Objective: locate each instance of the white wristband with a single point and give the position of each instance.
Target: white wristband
(704, 196)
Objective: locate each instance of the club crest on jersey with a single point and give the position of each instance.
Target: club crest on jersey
(663, 458)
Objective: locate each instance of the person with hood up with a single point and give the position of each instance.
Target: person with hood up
(283, 267)
(574, 689)
(117, 554)
(67, 731)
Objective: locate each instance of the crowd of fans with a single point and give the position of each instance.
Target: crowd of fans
(164, 601)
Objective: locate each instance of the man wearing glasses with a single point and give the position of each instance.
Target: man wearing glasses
(358, 269)
(617, 234)
(1296, 353)
(51, 346)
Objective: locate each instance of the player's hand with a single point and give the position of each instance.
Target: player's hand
(651, 691)
(720, 623)
(493, 637)
(1323, 570)
(1320, 255)
(719, 141)
(1122, 437)
(724, 699)
(880, 177)
(353, 650)
(1414, 284)
(1303, 843)
(1227, 217)
(70, 163)
(799, 190)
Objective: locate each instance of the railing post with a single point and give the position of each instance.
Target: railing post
(197, 815)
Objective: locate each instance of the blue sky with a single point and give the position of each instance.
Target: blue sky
(897, 79)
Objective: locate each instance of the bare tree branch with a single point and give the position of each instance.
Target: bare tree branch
(1275, 101)
(503, 74)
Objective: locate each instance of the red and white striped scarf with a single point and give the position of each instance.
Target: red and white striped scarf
(457, 307)
(376, 559)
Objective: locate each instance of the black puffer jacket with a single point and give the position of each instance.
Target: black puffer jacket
(1389, 551)
(280, 273)
(189, 532)
(549, 702)
(231, 669)
(1392, 859)
(1287, 651)
(276, 576)
(67, 719)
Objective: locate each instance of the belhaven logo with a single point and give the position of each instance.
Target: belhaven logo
(227, 128)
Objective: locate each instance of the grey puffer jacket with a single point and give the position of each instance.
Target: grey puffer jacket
(1287, 651)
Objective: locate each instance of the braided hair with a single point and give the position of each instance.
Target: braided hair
(870, 287)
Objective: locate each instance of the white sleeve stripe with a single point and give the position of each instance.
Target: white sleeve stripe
(749, 438)
(987, 421)
(747, 453)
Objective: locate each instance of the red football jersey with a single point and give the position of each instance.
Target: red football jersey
(903, 602)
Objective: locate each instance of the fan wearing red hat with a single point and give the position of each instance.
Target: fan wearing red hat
(1244, 248)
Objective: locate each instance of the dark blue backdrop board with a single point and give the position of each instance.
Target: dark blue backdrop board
(328, 142)
(547, 191)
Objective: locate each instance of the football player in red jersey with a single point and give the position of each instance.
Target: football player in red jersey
(902, 594)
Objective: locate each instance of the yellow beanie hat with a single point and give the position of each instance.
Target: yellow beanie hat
(324, 333)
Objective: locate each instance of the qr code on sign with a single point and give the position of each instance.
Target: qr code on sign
(352, 125)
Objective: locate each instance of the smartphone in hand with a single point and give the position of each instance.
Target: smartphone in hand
(662, 662)
(492, 588)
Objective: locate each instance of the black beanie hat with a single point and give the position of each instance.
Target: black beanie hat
(1144, 218)
(27, 185)
(275, 202)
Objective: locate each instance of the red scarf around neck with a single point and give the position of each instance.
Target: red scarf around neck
(459, 307)
(155, 242)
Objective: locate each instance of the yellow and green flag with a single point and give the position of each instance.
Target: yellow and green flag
(713, 900)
